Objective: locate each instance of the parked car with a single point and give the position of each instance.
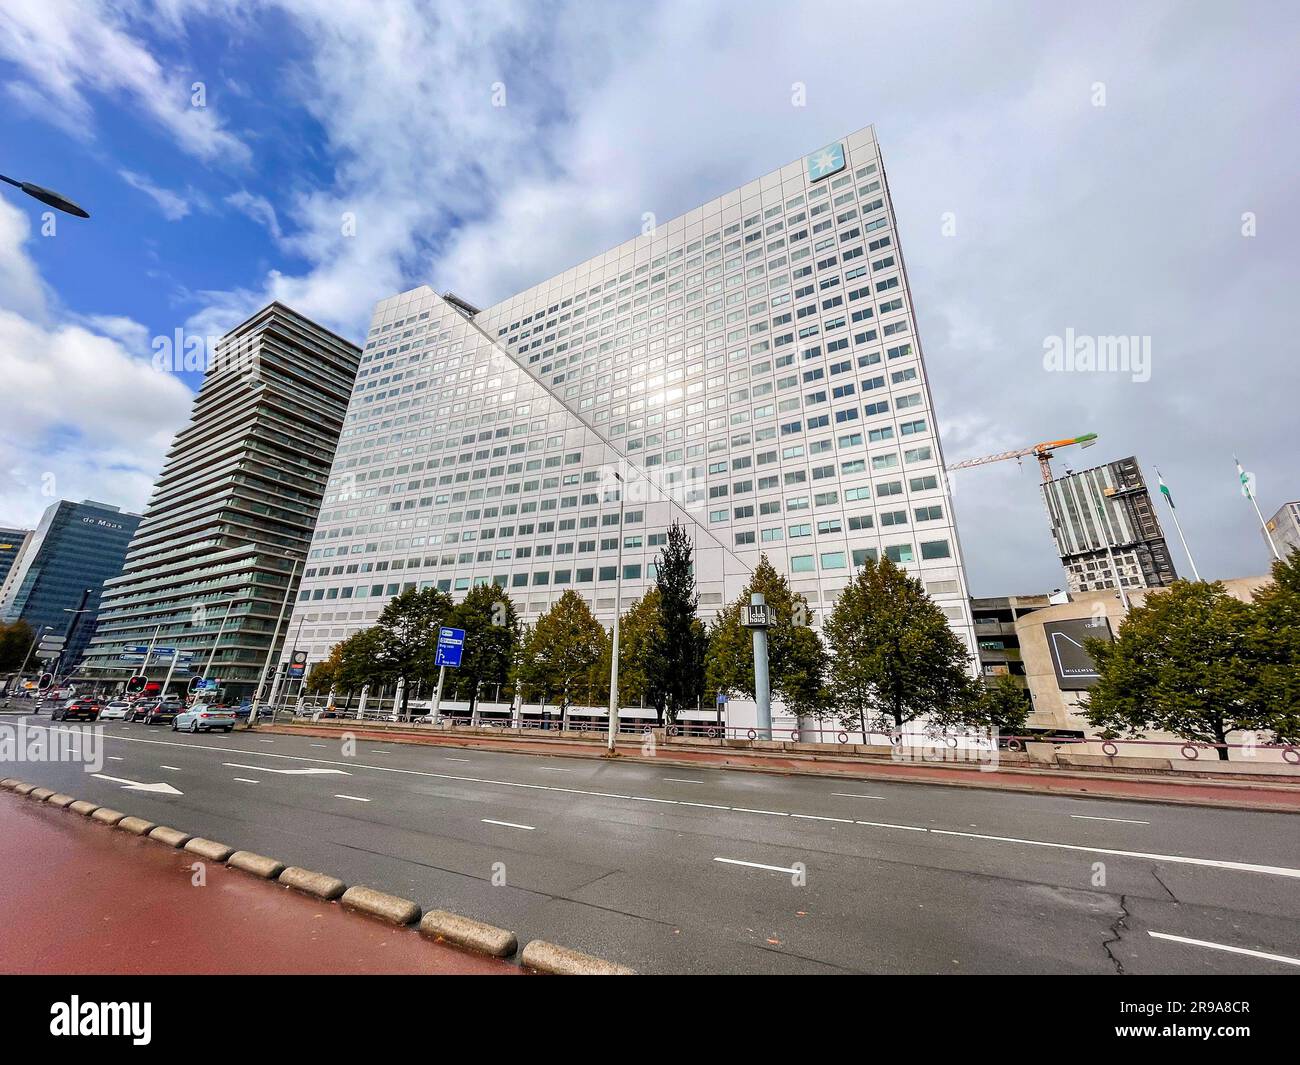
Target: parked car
(116, 710)
(163, 712)
(203, 717)
(86, 708)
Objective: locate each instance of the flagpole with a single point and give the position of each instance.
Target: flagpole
(1173, 511)
(1249, 494)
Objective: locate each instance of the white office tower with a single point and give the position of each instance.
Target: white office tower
(751, 368)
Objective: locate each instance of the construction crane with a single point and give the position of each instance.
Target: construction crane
(1043, 452)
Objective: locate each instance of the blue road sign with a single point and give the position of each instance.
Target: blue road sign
(451, 642)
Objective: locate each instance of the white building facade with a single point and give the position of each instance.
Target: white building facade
(751, 368)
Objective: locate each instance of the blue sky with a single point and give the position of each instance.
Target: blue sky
(1052, 170)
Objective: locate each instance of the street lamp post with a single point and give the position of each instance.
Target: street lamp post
(618, 606)
(270, 651)
(48, 197)
(28, 657)
(224, 618)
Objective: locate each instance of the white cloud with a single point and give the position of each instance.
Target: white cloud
(87, 416)
(258, 208)
(173, 206)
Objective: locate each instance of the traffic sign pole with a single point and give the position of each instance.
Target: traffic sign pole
(758, 621)
(437, 693)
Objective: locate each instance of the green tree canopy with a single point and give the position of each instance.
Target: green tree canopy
(674, 664)
(893, 652)
(406, 637)
(1275, 648)
(15, 640)
(561, 653)
(796, 657)
(1183, 662)
(492, 634)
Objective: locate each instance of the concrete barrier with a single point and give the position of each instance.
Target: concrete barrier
(257, 864)
(9, 782)
(379, 904)
(106, 816)
(562, 961)
(209, 849)
(60, 800)
(319, 884)
(468, 933)
(24, 789)
(81, 806)
(40, 794)
(172, 837)
(136, 825)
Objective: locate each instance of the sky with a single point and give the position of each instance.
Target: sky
(1058, 171)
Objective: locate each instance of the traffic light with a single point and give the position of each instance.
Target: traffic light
(46, 680)
(135, 685)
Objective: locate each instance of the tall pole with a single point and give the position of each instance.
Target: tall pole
(28, 657)
(437, 694)
(618, 608)
(1173, 513)
(213, 653)
(71, 629)
(762, 685)
(270, 651)
(1249, 492)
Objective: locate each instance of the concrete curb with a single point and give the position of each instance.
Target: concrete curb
(171, 837)
(24, 789)
(321, 885)
(80, 806)
(380, 904)
(40, 794)
(209, 849)
(60, 800)
(257, 864)
(561, 961)
(9, 782)
(468, 933)
(107, 816)
(136, 825)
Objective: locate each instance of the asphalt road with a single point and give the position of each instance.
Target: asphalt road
(675, 870)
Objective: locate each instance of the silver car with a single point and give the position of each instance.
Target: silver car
(201, 717)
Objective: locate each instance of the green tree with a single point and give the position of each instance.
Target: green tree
(561, 652)
(1003, 705)
(1275, 649)
(796, 657)
(406, 637)
(638, 630)
(1183, 662)
(893, 652)
(15, 639)
(359, 662)
(675, 663)
(492, 634)
(323, 675)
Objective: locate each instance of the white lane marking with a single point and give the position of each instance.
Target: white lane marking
(354, 798)
(245, 780)
(747, 810)
(1213, 863)
(683, 780)
(456, 759)
(1270, 870)
(313, 772)
(756, 865)
(506, 824)
(854, 795)
(1119, 820)
(174, 768)
(1224, 947)
(552, 769)
(266, 741)
(816, 817)
(135, 785)
(115, 758)
(317, 745)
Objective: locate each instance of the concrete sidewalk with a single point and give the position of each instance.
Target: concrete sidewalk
(1196, 792)
(80, 898)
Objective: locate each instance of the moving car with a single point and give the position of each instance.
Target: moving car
(163, 711)
(117, 710)
(204, 717)
(84, 709)
(140, 709)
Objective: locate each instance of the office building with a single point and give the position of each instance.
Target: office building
(1108, 507)
(13, 542)
(1284, 528)
(75, 549)
(751, 368)
(226, 530)
(995, 620)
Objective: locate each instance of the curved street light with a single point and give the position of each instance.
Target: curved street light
(48, 197)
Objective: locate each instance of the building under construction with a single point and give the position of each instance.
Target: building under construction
(1106, 528)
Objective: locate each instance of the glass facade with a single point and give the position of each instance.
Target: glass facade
(751, 368)
(77, 546)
